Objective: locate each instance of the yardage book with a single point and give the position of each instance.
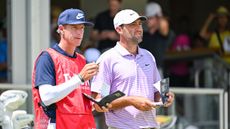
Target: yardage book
(106, 99)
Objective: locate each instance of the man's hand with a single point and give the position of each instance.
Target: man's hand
(97, 107)
(210, 18)
(89, 71)
(164, 26)
(170, 100)
(142, 103)
(102, 109)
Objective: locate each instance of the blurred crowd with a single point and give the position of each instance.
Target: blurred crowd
(158, 37)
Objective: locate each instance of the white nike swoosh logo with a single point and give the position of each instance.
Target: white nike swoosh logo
(79, 16)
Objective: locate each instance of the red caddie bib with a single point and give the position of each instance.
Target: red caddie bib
(74, 111)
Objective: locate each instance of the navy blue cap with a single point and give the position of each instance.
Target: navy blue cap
(73, 16)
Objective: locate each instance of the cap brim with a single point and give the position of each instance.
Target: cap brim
(83, 22)
(143, 18)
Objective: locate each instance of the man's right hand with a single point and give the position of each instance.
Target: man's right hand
(141, 103)
(89, 71)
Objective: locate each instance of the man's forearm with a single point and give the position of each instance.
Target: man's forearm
(117, 103)
(140, 103)
(51, 94)
(122, 102)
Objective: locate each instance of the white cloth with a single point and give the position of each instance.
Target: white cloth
(51, 94)
(51, 126)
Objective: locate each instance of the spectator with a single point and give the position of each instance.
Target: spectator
(179, 72)
(3, 54)
(158, 36)
(219, 37)
(104, 32)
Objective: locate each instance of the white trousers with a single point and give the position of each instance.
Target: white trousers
(51, 126)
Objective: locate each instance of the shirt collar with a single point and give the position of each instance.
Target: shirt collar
(124, 52)
(57, 48)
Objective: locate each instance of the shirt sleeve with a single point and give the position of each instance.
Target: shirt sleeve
(45, 72)
(101, 82)
(51, 94)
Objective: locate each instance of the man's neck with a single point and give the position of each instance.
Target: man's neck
(67, 48)
(131, 47)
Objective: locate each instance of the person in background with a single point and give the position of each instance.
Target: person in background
(3, 54)
(179, 71)
(158, 36)
(132, 70)
(219, 38)
(103, 32)
(61, 75)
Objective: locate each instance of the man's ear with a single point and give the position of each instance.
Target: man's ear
(119, 30)
(60, 29)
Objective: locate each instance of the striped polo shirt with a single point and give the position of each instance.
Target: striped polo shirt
(132, 74)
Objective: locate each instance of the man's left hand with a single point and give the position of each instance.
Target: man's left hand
(103, 108)
(170, 100)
